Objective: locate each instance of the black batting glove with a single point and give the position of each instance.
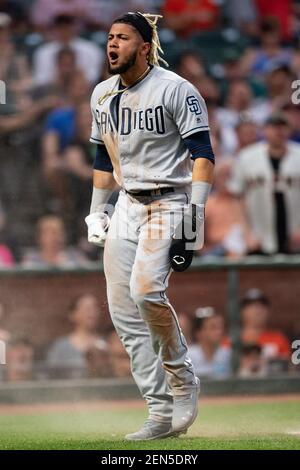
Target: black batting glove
(185, 238)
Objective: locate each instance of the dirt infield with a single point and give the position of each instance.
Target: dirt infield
(46, 408)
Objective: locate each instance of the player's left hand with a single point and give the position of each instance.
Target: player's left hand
(188, 237)
(98, 223)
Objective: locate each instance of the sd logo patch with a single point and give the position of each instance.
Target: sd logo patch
(194, 105)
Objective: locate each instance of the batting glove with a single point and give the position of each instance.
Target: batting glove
(188, 236)
(98, 223)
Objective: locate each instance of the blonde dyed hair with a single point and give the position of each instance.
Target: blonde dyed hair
(154, 57)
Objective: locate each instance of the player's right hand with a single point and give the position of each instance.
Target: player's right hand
(98, 223)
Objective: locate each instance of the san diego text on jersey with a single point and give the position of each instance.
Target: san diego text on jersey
(150, 119)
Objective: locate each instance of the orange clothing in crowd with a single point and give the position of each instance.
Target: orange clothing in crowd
(205, 12)
(273, 343)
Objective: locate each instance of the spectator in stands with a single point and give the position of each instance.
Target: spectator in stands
(252, 363)
(266, 176)
(20, 360)
(277, 90)
(89, 57)
(296, 55)
(62, 121)
(52, 250)
(232, 71)
(98, 362)
(66, 71)
(255, 315)
(210, 91)
(68, 356)
(230, 235)
(6, 255)
(86, 12)
(209, 357)
(281, 11)
(279, 85)
(242, 15)
(239, 105)
(247, 133)
(18, 13)
(14, 67)
(77, 169)
(60, 131)
(270, 54)
(27, 115)
(189, 65)
(232, 66)
(119, 359)
(78, 155)
(292, 113)
(19, 111)
(78, 158)
(188, 17)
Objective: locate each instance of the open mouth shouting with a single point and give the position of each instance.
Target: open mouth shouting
(113, 57)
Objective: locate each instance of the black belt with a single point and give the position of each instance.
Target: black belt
(150, 192)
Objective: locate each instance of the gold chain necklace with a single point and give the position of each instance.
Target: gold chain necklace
(111, 93)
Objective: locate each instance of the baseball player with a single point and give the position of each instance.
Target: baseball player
(152, 133)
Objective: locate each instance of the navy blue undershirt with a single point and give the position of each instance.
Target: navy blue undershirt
(102, 161)
(199, 146)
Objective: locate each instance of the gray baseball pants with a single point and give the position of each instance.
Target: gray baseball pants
(137, 270)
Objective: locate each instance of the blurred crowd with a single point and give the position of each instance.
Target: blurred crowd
(89, 351)
(244, 57)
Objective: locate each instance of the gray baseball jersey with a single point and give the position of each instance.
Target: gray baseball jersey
(144, 126)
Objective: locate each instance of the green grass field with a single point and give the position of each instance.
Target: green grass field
(257, 425)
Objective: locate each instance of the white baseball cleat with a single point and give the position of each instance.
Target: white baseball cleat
(151, 430)
(185, 409)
